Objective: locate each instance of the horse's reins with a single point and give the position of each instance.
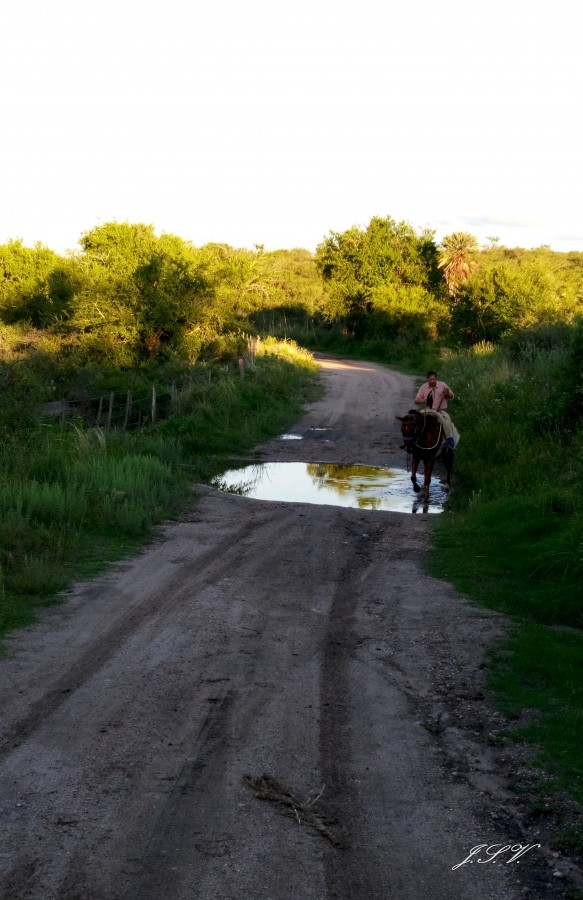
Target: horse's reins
(420, 447)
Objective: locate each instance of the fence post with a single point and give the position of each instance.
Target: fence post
(241, 367)
(99, 411)
(128, 409)
(110, 410)
(252, 344)
(153, 403)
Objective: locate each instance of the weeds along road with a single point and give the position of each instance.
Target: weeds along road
(301, 642)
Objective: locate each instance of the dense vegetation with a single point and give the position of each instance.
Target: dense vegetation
(513, 536)
(131, 299)
(131, 309)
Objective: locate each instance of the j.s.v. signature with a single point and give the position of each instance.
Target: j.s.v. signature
(491, 852)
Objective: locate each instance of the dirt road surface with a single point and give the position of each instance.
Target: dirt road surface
(295, 641)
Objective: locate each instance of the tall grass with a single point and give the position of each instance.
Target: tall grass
(513, 536)
(407, 350)
(74, 498)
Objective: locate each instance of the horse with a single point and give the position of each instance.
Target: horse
(424, 440)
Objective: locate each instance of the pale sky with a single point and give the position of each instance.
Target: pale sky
(277, 121)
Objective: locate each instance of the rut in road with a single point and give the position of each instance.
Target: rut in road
(205, 569)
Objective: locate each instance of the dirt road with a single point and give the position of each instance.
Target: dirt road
(299, 641)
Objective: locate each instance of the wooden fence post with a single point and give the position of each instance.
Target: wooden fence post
(110, 410)
(99, 411)
(252, 345)
(128, 409)
(153, 403)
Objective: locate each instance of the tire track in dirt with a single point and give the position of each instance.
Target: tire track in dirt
(207, 568)
(177, 827)
(27, 876)
(387, 791)
(194, 827)
(345, 877)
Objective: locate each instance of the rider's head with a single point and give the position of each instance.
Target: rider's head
(432, 379)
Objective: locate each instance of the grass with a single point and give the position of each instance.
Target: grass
(517, 555)
(74, 499)
(513, 540)
(543, 674)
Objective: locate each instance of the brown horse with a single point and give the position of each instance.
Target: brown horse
(424, 440)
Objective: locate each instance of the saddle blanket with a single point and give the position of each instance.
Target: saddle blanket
(452, 435)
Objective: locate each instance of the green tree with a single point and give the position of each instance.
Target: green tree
(378, 269)
(295, 281)
(24, 272)
(119, 246)
(174, 296)
(501, 297)
(241, 280)
(456, 253)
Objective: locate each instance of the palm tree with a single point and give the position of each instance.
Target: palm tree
(455, 253)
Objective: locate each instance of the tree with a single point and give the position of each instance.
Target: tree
(174, 296)
(384, 267)
(502, 297)
(455, 258)
(23, 281)
(119, 246)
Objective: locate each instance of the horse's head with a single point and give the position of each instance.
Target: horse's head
(409, 424)
(421, 431)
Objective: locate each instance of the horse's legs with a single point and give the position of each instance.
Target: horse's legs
(414, 464)
(448, 462)
(428, 469)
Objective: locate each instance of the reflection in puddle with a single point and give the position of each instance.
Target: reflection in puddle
(361, 487)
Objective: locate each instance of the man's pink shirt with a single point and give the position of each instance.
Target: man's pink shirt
(439, 401)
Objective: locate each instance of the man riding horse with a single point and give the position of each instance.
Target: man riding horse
(432, 397)
(430, 434)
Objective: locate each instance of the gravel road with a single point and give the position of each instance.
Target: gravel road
(271, 701)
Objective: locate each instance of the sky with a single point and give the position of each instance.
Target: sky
(276, 122)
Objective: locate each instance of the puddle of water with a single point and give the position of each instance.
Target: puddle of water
(358, 487)
(299, 437)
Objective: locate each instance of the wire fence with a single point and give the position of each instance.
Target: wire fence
(115, 409)
(136, 408)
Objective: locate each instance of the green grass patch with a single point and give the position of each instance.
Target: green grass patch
(540, 671)
(74, 498)
(514, 554)
(512, 537)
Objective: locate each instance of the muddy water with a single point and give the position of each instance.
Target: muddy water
(362, 487)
